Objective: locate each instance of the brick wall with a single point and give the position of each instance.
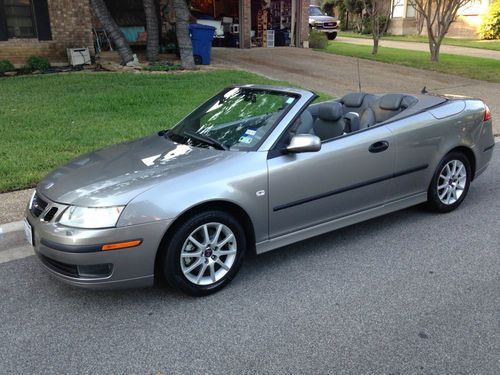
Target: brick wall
(70, 22)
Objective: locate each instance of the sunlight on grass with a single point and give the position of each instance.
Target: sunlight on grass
(466, 66)
(47, 120)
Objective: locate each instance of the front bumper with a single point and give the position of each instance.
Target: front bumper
(73, 255)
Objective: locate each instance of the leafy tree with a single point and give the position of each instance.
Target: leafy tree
(490, 27)
(438, 16)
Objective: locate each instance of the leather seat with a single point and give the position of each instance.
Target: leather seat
(304, 124)
(330, 122)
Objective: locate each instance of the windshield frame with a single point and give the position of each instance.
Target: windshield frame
(295, 94)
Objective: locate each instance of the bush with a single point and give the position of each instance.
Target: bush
(490, 27)
(162, 67)
(38, 63)
(317, 39)
(5, 66)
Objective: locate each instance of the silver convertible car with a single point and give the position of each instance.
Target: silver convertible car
(254, 168)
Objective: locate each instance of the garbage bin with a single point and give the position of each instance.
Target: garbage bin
(201, 38)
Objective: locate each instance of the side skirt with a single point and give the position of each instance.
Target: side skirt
(345, 221)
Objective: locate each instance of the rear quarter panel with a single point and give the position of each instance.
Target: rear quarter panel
(424, 139)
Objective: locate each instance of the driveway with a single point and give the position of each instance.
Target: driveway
(408, 293)
(337, 75)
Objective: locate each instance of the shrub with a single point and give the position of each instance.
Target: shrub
(38, 63)
(490, 27)
(317, 39)
(5, 66)
(162, 67)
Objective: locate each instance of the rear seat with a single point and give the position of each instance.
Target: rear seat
(384, 108)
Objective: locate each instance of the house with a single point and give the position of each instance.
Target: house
(48, 27)
(405, 20)
(43, 28)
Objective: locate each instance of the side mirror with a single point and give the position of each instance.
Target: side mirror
(304, 143)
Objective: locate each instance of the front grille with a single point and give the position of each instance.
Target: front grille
(60, 267)
(329, 25)
(38, 205)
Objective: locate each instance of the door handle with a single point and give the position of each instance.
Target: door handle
(379, 147)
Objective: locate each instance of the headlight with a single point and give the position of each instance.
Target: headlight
(91, 217)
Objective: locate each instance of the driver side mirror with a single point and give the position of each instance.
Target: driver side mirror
(304, 143)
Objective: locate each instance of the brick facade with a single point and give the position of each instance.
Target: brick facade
(70, 22)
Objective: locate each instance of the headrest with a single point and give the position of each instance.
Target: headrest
(354, 99)
(330, 111)
(391, 102)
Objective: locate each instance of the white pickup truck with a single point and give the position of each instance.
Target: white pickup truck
(320, 22)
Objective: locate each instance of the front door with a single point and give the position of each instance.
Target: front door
(342, 178)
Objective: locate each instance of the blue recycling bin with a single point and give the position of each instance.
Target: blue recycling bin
(201, 38)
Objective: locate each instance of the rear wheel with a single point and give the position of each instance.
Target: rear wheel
(204, 253)
(450, 183)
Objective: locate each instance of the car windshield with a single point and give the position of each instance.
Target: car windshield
(238, 119)
(315, 11)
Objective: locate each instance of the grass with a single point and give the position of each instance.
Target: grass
(465, 66)
(493, 45)
(47, 120)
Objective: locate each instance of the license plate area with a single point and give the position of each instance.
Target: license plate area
(28, 232)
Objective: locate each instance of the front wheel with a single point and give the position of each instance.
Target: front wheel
(331, 36)
(450, 183)
(204, 253)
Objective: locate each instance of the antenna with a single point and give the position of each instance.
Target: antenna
(359, 77)
(424, 90)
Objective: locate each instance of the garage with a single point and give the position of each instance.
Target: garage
(254, 23)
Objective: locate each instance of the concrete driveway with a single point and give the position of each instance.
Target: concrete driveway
(408, 293)
(337, 75)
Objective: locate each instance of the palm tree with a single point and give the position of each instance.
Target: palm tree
(153, 44)
(113, 31)
(182, 30)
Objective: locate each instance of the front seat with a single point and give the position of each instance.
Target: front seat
(330, 122)
(304, 124)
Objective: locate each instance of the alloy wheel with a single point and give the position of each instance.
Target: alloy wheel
(451, 182)
(208, 253)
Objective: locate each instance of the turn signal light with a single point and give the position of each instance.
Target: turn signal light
(121, 245)
(487, 113)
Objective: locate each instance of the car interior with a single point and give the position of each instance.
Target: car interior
(355, 111)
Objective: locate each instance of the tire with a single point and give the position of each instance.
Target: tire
(331, 36)
(211, 267)
(450, 183)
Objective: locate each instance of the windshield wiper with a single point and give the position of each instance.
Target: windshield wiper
(207, 140)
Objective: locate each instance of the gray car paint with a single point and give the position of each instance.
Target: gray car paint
(159, 181)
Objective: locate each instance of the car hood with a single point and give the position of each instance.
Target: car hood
(322, 18)
(115, 175)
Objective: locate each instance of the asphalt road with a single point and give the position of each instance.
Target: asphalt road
(407, 293)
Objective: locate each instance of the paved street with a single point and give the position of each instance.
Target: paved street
(408, 293)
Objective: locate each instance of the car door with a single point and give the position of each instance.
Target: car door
(342, 178)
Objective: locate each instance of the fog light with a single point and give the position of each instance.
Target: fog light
(95, 270)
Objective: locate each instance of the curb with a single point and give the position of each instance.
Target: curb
(12, 235)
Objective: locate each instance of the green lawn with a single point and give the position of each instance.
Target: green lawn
(471, 67)
(493, 45)
(49, 119)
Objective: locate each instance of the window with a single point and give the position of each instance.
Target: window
(19, 17)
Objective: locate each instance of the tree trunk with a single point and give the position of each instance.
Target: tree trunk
(182, 30)
(153, 44)
(375, 45)
(434, 48)
(113, 31)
